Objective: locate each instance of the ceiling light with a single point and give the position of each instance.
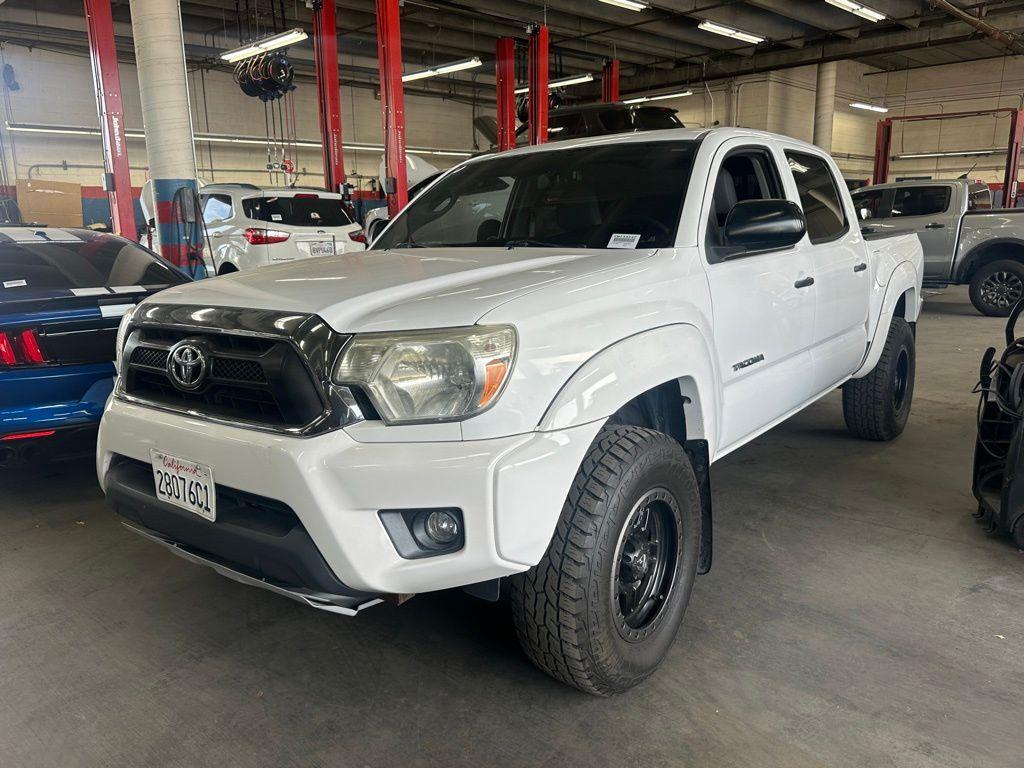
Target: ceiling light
(272, 43)
(562, 83)
(869, 107)
(217, 138)
(736, 34)
(642, 99)
(861, 10)
(631, 5)
(952, 153)
(443, 69)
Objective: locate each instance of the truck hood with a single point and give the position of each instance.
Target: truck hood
(400, 289)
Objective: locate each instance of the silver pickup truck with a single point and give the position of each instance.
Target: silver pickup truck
(965, 240)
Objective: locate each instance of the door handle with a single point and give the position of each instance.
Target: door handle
(805, 283)
(860, 267)
(934, 225)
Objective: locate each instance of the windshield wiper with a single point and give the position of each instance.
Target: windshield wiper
(540, 244)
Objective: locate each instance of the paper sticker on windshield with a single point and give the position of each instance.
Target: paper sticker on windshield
(623, 241)
(15, 283)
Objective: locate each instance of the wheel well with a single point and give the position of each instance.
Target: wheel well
(985, 254)
(673, 407)
(227, 268)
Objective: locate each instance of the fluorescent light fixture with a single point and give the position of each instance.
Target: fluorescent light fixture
(272, 43)
(869, 107)
(443, 69)
(861, 10)
(642, 99)
(217, 138)
(630, 5)
(562, 83)
(952, 153)
(736, 34)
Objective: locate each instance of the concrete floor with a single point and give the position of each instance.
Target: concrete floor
(855, 616)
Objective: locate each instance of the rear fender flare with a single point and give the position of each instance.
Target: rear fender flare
(902, 281)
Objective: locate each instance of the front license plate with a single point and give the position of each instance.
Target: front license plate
(185, 484)
(321, 249)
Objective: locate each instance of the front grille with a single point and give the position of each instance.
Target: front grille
(251, 380)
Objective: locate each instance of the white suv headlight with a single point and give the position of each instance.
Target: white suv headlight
(122, 333)
(420, 376)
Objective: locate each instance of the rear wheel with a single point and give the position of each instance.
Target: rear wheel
(601, 609)
(876, 407)
(997, 286)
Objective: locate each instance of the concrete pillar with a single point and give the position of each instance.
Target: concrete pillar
(166, 116)
(825, 104)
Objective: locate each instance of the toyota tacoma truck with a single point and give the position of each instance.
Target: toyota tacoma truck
(965, 240)
(519, 389)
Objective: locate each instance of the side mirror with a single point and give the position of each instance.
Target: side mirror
(864, 213)
(761, 225)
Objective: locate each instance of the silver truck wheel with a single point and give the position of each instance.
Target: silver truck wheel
(997, 286)
(876, 407)
(601, 609)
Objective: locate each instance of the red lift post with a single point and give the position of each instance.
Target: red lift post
(392, 102)
(505, 74)
(325, 52)
(883, 145)
(610, 81)
(537, 79)
(117, 177)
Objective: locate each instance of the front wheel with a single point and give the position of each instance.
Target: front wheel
(876, 407)
(997, 286)
(601, 609)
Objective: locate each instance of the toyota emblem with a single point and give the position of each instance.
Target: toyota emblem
(186, 365)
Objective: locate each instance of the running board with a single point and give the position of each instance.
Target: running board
(341, 604)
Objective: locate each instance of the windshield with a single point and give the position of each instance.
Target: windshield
(626, 195)
(98, 261)
(302, 210)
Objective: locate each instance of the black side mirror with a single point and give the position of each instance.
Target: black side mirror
(762, 225)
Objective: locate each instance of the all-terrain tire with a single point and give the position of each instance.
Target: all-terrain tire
(567, 609)
(876, 407)
(997, 286)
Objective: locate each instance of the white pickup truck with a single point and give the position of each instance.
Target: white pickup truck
(522, 384)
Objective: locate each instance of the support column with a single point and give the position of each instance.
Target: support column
(505, 72)
(392, 104)
(166, 115)
(610, 81)
(1013, 159)
(537, 76)
(325, 53)
(825, 104)
(107, 81)
(883, 146)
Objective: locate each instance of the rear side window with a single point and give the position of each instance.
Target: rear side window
(920, 201)
(300, 211)
(819, 197)
(101, 261)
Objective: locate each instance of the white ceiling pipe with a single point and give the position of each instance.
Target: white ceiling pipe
(163, 91)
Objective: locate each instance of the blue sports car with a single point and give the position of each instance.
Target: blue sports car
(62, 295)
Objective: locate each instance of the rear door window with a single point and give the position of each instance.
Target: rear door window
(216, 208)
(101, 261)
(300, 210)
(873, 200)
(920, 201)
(819, 196)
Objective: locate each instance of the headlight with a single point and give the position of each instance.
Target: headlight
(442, 375)
(122, 334)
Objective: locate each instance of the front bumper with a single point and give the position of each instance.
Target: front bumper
(510, 491)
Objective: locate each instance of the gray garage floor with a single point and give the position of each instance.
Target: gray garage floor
(855, 615)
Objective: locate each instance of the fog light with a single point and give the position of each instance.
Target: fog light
(442, 527)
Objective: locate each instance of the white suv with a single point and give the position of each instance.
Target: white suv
(251, 226)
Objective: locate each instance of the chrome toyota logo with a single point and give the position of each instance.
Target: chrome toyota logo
(186, 365)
